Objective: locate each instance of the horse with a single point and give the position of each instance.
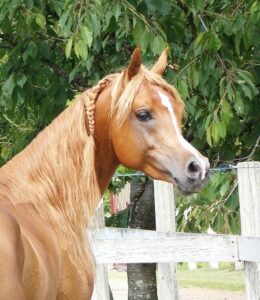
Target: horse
(48, 192)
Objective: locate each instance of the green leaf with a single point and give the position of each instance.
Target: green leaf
(138, 31)
(87, 35)
(248, 78)
(127, 22)
(230, 92)
(219, 222)
(208, 120)
(144, 41)
(21, 80)
(247, 91)
(234, 223)
(183, 89)
(32, 49)
(207, 41)
(194, 76)
(40, 20)
(8, 86)
(64, 18)
(208, 136)
(215, 131)
(237, 43)
(157, 45)
(224, 188)
(81, 50)
(222, 86)
(228, 27)
(222, 129)
(214, 43)
(5, 152)
(68, 47)
(232, 202)
(239, 23)
(73, 73)
(116, 11)
(96, 25)
(226, 112)
(239, 103)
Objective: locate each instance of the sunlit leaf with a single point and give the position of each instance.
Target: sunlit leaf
(183, 89)
(40, 20)
(68, 47)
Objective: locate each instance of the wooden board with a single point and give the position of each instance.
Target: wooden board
(249, 198)
(144, 246)
(167, 287)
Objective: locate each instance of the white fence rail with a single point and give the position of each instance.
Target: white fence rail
(135, 246)
(144, 246)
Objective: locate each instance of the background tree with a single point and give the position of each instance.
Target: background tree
(142, 277)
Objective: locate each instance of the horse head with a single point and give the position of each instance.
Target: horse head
(144, 123)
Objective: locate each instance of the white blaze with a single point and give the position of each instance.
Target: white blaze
(166, 103)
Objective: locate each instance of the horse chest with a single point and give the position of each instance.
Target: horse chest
(73, 284)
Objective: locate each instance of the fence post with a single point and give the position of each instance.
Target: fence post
(101, 287)
(165, 222)
(249, 197)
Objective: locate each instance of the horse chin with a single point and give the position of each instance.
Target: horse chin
(188, 188)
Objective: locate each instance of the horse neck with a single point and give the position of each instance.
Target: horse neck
(105, 158)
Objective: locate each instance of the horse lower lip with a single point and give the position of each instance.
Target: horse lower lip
(189, 189)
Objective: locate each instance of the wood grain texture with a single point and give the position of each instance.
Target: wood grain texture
(136, 246)
(249, 197)
(167, 287)
(101, 287)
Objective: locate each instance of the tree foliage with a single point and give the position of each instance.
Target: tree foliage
(51, 50)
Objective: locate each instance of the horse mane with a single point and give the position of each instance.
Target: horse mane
(56, 174)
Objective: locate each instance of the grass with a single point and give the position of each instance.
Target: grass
(224, 278)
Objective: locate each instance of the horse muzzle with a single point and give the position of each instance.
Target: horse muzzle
(195, 179)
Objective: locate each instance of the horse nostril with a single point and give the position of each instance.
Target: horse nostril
(194, 170)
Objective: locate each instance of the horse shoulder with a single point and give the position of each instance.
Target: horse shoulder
(42, 265)
(11, 257)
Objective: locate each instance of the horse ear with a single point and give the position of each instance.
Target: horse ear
(135, 63)
(161, 63)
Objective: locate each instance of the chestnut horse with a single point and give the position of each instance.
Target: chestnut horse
(50, 189)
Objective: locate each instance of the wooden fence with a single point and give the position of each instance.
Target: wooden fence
(166, 247)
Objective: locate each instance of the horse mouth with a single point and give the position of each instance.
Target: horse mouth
(189, 188)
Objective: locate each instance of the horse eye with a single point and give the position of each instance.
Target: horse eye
(143, 115)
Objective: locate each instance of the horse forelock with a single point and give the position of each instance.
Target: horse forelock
(123, 95)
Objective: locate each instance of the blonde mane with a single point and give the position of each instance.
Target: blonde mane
(56, 174)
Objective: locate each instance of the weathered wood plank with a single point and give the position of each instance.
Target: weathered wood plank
(144, 246)
(249, 249)
(249, 197)
(101, 287)
(167, 287)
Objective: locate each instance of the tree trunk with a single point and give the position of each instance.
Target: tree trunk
(142, 277)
